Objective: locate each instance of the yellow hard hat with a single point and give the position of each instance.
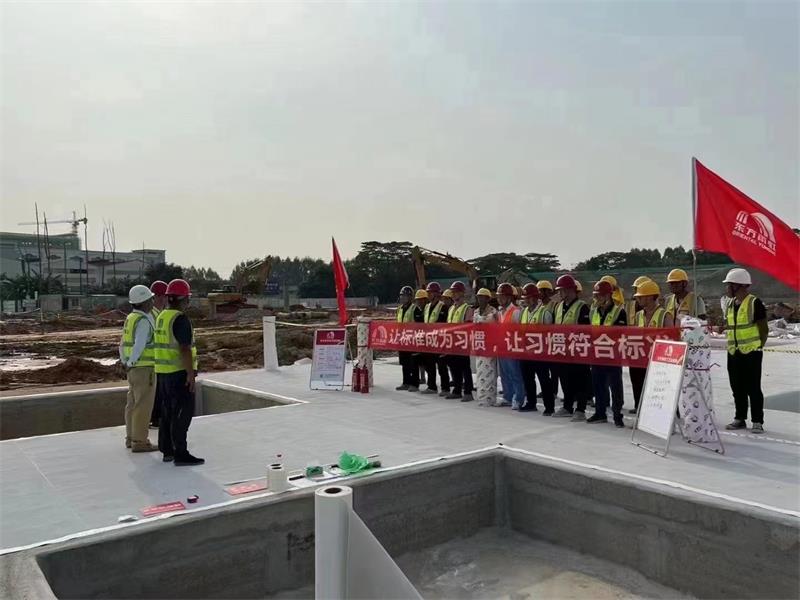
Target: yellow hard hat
(543, 284)
(421, 295)
(484, 292)
(610, 279)
(640, 280)
(448, 293)
(677, 275)
(647, 288)
(578, 286)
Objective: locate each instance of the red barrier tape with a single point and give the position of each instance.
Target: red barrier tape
(616, 346)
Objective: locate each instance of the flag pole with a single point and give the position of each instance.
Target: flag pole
(694, 232)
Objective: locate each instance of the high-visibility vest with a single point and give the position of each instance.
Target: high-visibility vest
(610, 318)
(167, 349)
(686, 305)
(572, 314)
(147, 357)
(535, 316)
(405, 315)
(631, 311)
(432, 316)
(457, 313)
(507, 316)
(742, 331)
(657, 320)
(155, 312)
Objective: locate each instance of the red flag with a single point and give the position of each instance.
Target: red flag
(342, 283)
(728, 221)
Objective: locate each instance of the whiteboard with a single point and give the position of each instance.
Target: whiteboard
(662, 388)
(327, 364)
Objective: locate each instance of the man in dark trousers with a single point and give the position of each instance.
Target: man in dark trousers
(176, 369)
(607, 378)
(443, 362)
(576, 378)
(746, 328)
(405, 314)
(433, 313)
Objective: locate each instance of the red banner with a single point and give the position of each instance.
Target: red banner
(622, 346)
(728, 221)
(342, 283)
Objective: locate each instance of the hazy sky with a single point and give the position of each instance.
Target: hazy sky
(233, 130)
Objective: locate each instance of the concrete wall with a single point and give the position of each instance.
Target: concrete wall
(43, 414)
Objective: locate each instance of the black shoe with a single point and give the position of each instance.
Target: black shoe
(595, 418)
(168, 458)
(619, 423)
(153, 425)
(453, 396)
(547, 413)
(188, 461)
(632, 411)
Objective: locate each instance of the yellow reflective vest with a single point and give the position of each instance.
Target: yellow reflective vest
(147, 358)
(432, 316)
(457, 313)
(167, 349)
(535, 316)
(572, 314)
(405, 315)
(657, 320)
(742, 331)
(610, 318)
(686, 305)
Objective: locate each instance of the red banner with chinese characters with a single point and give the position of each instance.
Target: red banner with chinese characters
(621, 346)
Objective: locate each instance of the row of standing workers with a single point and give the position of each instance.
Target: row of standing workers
(582, 384)
(159, 354)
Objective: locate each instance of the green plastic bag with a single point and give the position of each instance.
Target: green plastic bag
(352, 463)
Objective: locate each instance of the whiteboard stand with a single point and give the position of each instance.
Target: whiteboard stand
(659, 402)
(328, 359)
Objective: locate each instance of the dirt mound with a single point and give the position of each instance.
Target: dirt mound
(72, 370)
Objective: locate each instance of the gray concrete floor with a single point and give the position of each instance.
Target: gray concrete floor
(60, 485)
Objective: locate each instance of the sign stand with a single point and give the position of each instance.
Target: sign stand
(705, 419)
(329, 359)
(662, 388)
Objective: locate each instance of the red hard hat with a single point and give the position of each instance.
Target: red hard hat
(604, 288)
(178, 287)
(505, 289)
(159, 288)
(458, 286)
(530, 290)
(434, 287)
(566, 282)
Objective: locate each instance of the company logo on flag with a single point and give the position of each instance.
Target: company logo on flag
(762, 235)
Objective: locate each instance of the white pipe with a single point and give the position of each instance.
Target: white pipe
(332, 508)
(270, 347)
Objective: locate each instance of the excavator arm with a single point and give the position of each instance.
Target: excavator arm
(423, 256)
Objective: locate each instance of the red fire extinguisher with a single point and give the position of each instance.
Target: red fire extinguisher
(364, 377)
(356, 378)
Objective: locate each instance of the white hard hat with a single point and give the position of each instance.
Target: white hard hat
(139, 294)
(740, 276)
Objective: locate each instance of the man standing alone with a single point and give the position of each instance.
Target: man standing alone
(137, 356)
(176, 368)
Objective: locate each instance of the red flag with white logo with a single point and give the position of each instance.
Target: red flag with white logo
(342, 283)
(728, 221)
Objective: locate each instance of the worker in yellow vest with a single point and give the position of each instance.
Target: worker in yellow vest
(460, 366)
(650, 315)
(136, 353)
(176, 370)
(444, 359)
(576, 378)
(405, 314)
(159, 289)
(434, 313)
(746, 329)
(536, 313)
(607, 378)
(681, 302)
(632, 306)
(549, 301)
(618, 297)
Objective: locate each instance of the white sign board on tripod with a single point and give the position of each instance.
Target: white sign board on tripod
(329, 358)
(662, 388)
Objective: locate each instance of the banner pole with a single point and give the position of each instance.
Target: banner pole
(694, 236)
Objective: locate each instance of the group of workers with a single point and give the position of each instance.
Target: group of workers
(159, 354)
(582, 384)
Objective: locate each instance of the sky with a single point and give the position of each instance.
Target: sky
(225, 131)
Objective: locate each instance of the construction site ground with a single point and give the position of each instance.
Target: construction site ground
(66, 484)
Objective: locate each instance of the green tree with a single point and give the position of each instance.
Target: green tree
(202, 279)
(494, 264)
(163, 271)
(381, 269)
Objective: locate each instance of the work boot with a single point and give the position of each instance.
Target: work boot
(127, 442)
(402, 388)
(757, 428)
(619, 422)
(453, 396)
(467, 398)
(429, 391)
(736, 424)
(412, 388)
(632, 411)
(547, 413)
(444, 393)
(167, 458)
(562, 412)
(143, 447)
(188, 460)
(578, 416)
(595, 418)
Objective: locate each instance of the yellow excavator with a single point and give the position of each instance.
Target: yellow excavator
(231, 298)
(422, 256)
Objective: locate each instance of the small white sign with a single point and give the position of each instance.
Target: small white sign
(662, 389)
(329, 359)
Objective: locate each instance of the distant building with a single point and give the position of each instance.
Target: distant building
(19, 253)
